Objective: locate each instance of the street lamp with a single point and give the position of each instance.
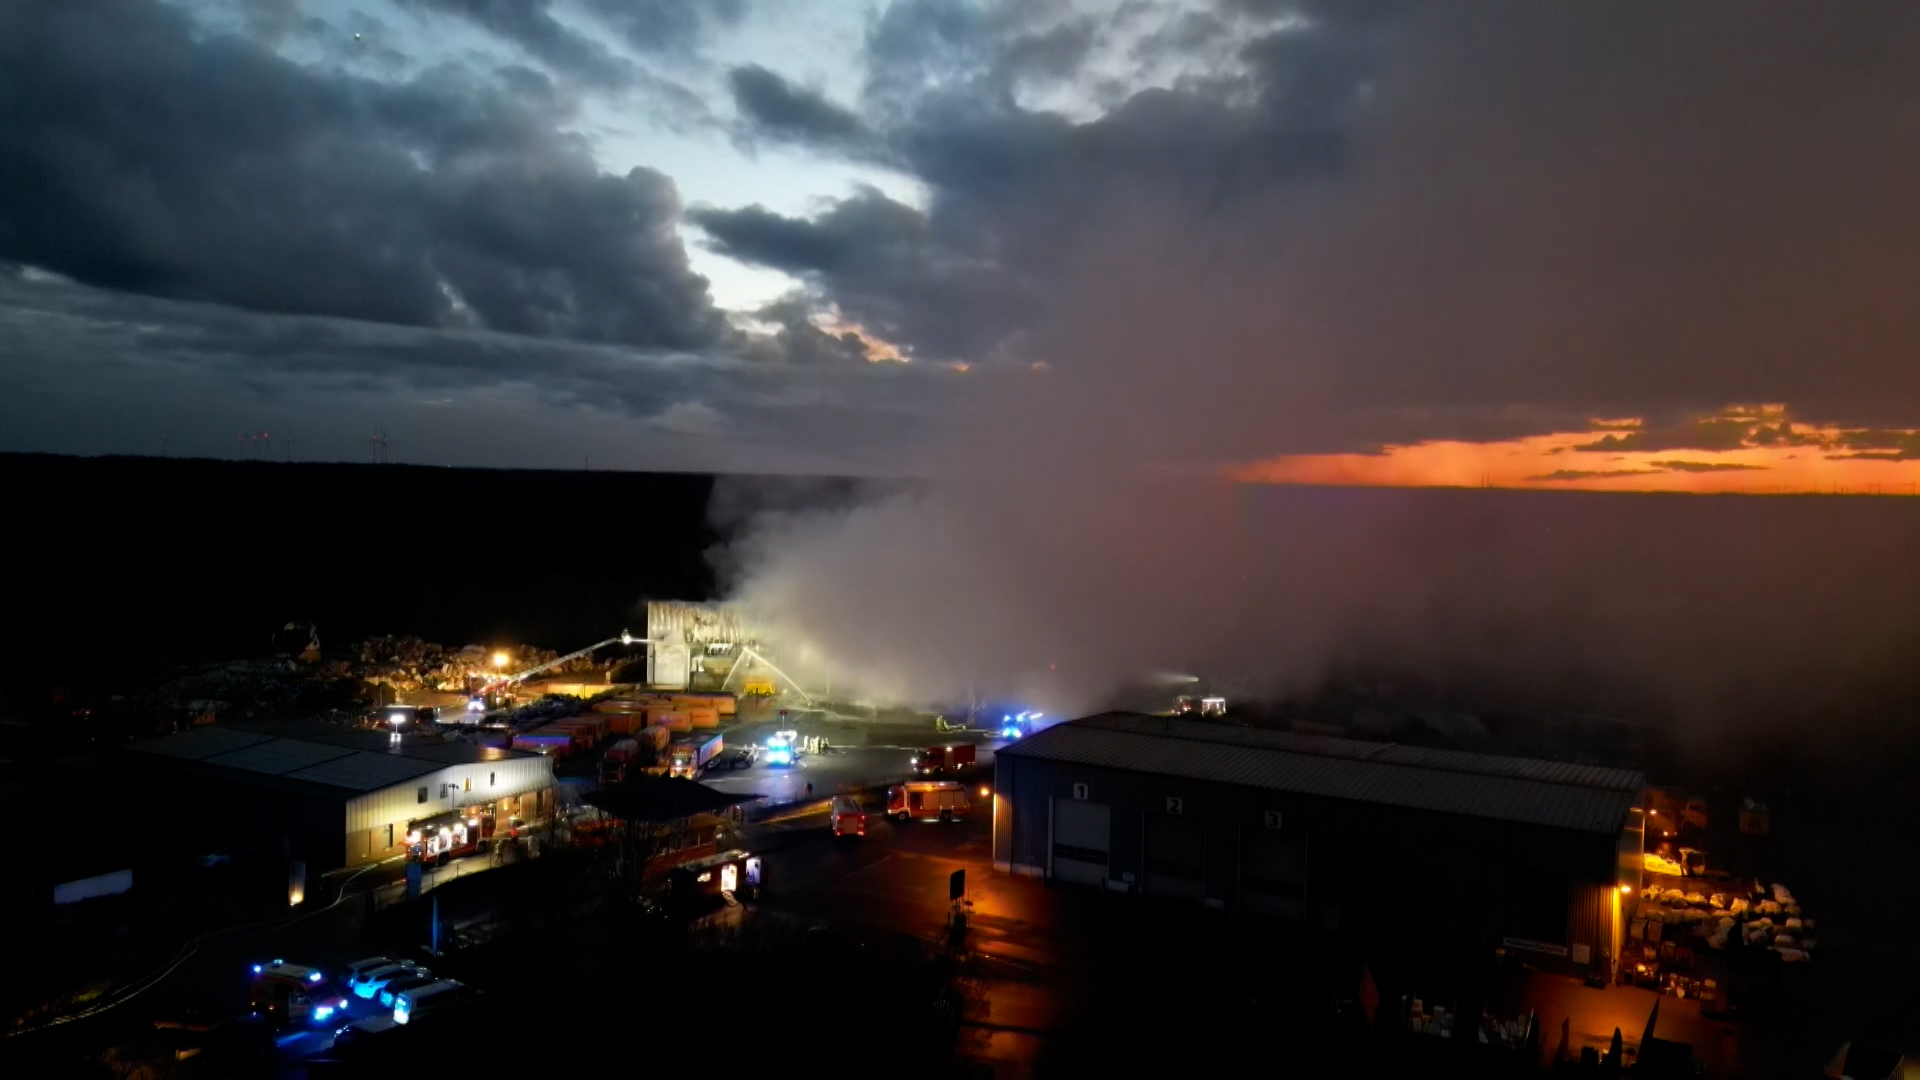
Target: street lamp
(501, 659)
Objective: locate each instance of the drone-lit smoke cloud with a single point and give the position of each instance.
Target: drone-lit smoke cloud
(1071, 538)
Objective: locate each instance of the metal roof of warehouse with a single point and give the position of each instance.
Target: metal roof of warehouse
(330, 757)
(1587, 798)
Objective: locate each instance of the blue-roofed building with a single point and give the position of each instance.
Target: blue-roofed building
(1441, 848)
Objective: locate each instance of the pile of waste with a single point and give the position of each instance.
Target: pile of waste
(410, 665)
(251, 689)
(545, 709)
(1765, 916)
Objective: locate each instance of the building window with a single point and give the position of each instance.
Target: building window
(389, 835)
(466, 784)
(423, 794)
(490, 780)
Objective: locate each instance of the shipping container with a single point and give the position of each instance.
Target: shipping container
(543, 741)
(619, 705)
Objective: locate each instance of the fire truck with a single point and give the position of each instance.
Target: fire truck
(437, 839)
(944, 759)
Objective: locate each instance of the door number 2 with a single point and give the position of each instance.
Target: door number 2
(1175, 804)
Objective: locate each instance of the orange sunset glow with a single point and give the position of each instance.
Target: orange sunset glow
(1748, 450)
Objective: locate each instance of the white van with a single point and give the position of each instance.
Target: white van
(413, 1004)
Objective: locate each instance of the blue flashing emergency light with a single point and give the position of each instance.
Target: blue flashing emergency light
(256, 969)
(314, 976)
(321, 1012)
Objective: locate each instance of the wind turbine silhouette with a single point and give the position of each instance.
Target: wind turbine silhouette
(381, 447)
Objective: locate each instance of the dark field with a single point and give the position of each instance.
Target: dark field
(124, 566)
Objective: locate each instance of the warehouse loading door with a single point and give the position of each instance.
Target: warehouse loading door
(1082, 833)
(1273, 873)
(1176, 856)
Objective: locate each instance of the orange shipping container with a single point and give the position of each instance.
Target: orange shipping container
(672, 721)
(703, 718)
(625, 723)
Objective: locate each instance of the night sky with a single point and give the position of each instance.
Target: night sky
(1572, 245)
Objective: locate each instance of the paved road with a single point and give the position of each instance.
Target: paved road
(897, 877)
(842, 769)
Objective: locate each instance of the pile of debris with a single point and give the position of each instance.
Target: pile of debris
(1766, 916)
(410, 665)
(252, 688)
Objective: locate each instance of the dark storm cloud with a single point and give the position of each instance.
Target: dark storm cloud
(1902, 442)
(63, 339)
(1714, 433)
(775, 109)
(1055, 55)
(1590, 474)
(244, 179)
(274, 20)
(530, 24)
(1783, 434)
(1450, 207)
(798, 341)
(1703, 466)
(1872, 445)
(1016, 193)
(667, 26)
(887, 268)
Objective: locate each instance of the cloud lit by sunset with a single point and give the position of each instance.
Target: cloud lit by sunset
(1742, 449)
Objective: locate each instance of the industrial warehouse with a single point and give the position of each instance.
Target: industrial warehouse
(692, 646)
(1439, 848)
(335, 797)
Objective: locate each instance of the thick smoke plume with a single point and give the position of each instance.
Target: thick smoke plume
(1531, 214)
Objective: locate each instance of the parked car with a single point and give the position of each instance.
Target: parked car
(400, 986)
(427, 1001)
(370, 984)
(360, 968)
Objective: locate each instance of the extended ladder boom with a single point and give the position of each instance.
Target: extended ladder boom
(624, 639)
